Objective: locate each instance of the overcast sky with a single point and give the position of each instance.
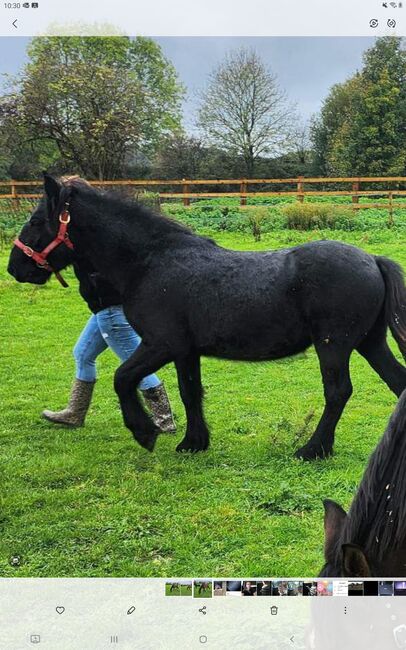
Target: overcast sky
(306, 67)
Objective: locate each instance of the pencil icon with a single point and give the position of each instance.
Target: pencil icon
(131, 610)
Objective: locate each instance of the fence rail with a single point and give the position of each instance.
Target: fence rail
(17, 189)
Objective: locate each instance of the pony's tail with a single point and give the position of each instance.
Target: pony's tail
(395, 300)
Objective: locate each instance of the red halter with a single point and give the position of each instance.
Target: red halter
(62, 237)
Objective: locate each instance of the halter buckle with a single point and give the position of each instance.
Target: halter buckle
(65, 214)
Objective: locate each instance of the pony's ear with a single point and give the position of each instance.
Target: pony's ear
(334, 518)
(52, 189)
(355, 564)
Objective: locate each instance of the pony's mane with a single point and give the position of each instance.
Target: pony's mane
(128, 209)
(377, 517)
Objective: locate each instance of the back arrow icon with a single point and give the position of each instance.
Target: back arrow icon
(14, 23)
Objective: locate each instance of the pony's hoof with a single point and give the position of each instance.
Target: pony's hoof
(191, 447)
(147, 441)
(313, 452)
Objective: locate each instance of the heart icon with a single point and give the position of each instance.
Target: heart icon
(60, 609)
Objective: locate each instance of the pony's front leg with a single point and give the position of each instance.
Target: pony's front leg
(191, 392)
(143, 362)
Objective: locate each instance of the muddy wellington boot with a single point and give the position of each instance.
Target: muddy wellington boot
(75, 412)
(158, 403)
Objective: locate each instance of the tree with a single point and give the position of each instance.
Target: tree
(96, 100)
(300, 143)
(243, 110)
(179, 156)
(374, 141)
(336, 112)
(362, 126)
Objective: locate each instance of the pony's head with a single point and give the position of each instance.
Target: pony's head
(343, 559)
(32, 259)
(371, 539)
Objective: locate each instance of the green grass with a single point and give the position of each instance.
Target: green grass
(90, 502)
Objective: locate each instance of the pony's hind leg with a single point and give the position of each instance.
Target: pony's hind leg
(334, 366)
(144, 361)
(191, 392)
(380, 357)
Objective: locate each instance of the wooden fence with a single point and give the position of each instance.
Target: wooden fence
(300, 187)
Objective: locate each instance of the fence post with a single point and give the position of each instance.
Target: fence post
(391, 220)
(186, 199)
(300, 185)
(14, 195)
(355, 189)
(243, 190)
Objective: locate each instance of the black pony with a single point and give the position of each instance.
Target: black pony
(188, 297)
(371, 539)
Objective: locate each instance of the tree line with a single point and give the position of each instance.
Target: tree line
(112, 108)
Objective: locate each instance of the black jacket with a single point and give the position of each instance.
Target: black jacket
(95, 289)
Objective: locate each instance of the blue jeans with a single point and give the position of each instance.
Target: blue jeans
(108, 328)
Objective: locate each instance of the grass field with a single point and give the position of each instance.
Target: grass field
(90, 502)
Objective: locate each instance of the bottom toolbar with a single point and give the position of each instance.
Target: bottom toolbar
(154, 614)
